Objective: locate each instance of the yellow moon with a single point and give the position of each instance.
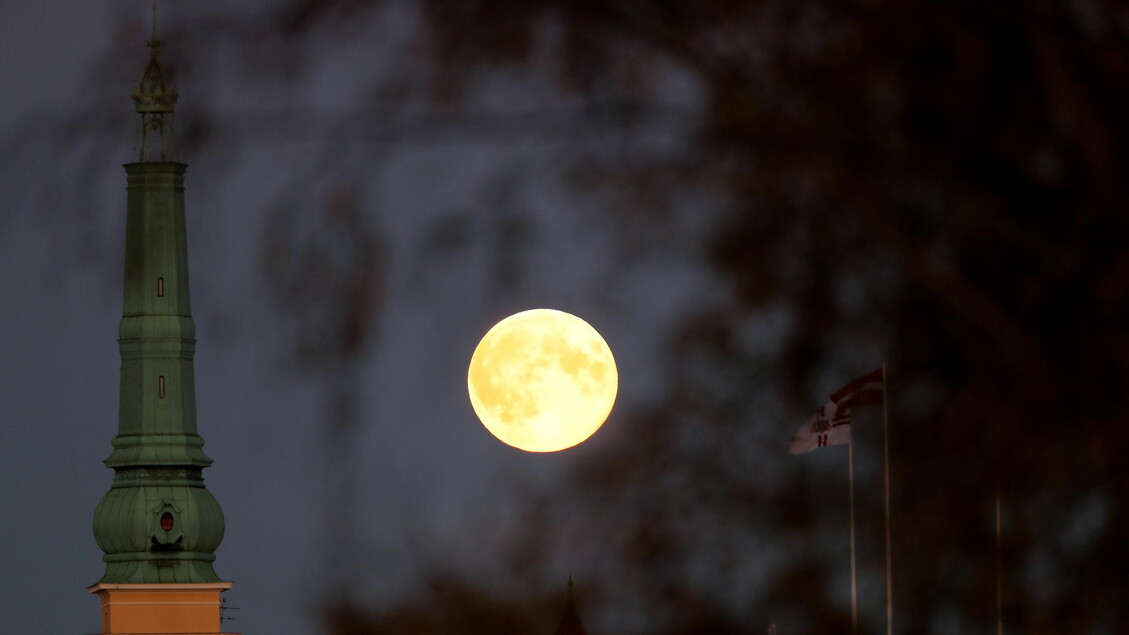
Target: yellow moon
(542, 380)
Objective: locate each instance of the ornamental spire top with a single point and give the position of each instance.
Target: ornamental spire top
(570, 621)
(154, 97)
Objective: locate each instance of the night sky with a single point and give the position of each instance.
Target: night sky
(422, 469)
(752, 203)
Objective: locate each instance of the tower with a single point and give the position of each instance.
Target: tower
(158, 525)
(570, 621)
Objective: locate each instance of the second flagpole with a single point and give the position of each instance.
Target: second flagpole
(851, 498)
(886, 470)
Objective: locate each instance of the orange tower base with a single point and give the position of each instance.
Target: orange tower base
(161, 609)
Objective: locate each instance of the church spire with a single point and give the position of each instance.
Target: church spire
(158, 525)
(570, 621)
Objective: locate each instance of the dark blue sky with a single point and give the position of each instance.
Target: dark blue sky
(428, 483)
(751, 211)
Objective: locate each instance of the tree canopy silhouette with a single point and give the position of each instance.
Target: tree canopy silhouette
(936, 185)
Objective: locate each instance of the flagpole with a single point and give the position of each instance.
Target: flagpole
(851, 497)
(999, 570)
(886, 470)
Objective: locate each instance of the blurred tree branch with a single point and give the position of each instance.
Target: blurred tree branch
(938, 183)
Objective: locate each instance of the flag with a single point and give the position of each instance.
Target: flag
(864, 391)
(831, 424)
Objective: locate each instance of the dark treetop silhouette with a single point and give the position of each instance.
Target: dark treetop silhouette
(936, 184)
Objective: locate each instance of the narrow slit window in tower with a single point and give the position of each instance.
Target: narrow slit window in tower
(160, 287)
(161, 386)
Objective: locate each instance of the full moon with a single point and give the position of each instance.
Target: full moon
(542, 380)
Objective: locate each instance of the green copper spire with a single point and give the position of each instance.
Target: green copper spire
(158, 523)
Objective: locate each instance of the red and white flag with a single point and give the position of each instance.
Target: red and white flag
(831, 424)
(864, 391)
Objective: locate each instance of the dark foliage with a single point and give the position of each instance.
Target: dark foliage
(938, 184)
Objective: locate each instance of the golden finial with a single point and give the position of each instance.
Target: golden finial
(153, 42)
(155, 97)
